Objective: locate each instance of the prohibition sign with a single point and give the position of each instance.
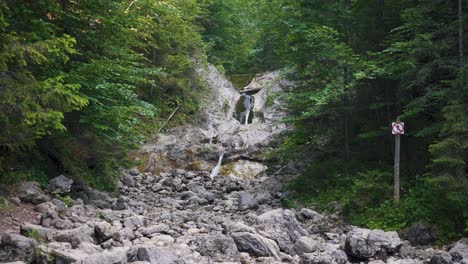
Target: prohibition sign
(398, 128)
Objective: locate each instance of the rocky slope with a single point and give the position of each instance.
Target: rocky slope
(171, 211)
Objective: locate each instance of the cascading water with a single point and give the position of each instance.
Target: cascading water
(248, 105)
(217, 168)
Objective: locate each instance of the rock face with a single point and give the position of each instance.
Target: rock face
(256, 245)
(31, 192)
(16, 247)
(283, 227)
(60, 185)
(170, 210)
(365, 243)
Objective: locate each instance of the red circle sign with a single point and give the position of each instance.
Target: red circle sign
(398, 128)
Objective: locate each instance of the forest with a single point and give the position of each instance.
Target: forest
(84, 82)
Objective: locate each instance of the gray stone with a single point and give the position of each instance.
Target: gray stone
(441, 257)
(256, 245)
(157, 255)
(134, 172)
(31, 192)
(161, 228)
(306, 245)
(44, 207)
(61, 206)
(49, 218)
(129, 181)
(281, 226)
(246, 201)
(120, 204)
(14, 247)
(364, 243)
(15, 201)
(134, 222)
(218, 248)
(420, 235)
(328, 257)
(311, 215)
(60, 185)
(459, 251)
(104, 231)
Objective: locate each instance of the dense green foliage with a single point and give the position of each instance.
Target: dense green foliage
(83, 81)
(358, 65)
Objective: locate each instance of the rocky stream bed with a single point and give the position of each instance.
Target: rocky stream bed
(169, 210)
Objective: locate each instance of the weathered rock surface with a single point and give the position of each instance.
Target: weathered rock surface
(364, 243)
(15, 247)
(60, 185)
(31, 192)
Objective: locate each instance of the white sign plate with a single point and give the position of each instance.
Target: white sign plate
(398, 128)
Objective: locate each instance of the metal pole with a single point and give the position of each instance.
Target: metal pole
(396, 170)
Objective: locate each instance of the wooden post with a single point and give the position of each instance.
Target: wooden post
(396, 170)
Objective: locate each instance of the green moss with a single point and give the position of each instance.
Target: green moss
(66, 200)
(34, 234)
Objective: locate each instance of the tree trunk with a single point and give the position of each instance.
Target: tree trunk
(460, 33)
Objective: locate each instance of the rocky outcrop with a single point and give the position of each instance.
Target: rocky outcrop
(14, 247)
(32, 192)
(364, 243)
(60, 185)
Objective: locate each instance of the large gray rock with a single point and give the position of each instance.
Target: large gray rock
(76, 236)
(281, 226)
(60, 185)
(157, 255)
(161, 228)
(420, 235)
(364, 243)
(218, 248)
(441, 257)
(307, 245)
(311, 215)
(104, 231)
(114, 256)
(459, 251)
(328, 257)
(256, 245)
(246, 201)
(119, 204)
(14, 247)
(32, 193)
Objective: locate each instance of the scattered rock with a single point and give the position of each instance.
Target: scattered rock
(14, 247)
(32, 193)
(420, 235)
(459, 251)
(441, 257)
(256, 245)
(306, 245)
(246, 201)
(157, 255)
(364, 243)
(218, 248)
(119, 204)
(281, 226)
(60, 185)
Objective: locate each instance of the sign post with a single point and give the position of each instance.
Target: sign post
(398, 128)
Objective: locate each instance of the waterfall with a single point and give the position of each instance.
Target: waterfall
(217, 168)
(247, 118)
(248, 107)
